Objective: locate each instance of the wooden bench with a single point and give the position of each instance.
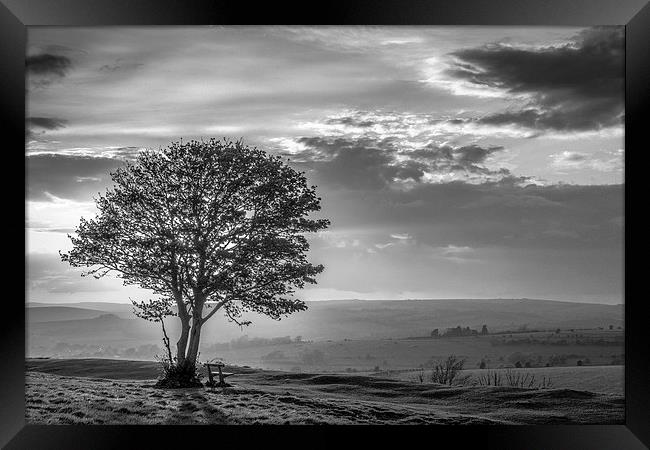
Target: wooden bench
(222, 375)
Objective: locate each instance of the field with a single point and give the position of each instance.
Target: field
(121, 392)
(604, 379)
(382, 355)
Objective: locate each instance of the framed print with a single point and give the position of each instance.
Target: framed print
(408, 219)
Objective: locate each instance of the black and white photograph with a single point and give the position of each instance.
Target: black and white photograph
(343, 225)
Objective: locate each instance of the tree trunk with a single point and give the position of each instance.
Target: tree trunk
(181, 345)
(195, 332)
(195, 338)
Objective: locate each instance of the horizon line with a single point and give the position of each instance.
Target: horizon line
(367, 300)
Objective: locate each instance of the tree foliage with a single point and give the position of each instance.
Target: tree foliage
(207, 226)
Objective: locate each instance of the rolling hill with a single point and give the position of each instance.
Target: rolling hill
(339, 319)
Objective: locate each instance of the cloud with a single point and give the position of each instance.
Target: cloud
(54, 214)
(46, 64)
(357, 164)
(47, 123)
(497, 214)
(448, 159)
(46, 273)
(367, 163)
(68, 176)
(577, 86)
(44, 68)
(457, 254)
(120, 65)
(43, 123)
(600, 161)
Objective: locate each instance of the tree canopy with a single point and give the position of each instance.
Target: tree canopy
(206, 226)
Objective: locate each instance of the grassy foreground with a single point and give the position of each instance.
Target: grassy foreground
(121, 392)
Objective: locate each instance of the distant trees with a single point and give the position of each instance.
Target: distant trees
(455, 332)
(207, 226)
(458, 331)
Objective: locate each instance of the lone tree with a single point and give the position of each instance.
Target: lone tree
(207, 226)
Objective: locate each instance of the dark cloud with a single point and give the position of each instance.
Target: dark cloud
(350, 121)
(48, 64)
(576, 86)
(120, 65)
(495, 214)
(357, 164)
(73, 177)
(574, 156)
(366, 163)
(45, 68)
(43, 123)
(47, 123)
(465, 158)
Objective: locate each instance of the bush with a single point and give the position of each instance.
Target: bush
(176, 376)
(512, 378)
(447, 371)
(556, 360)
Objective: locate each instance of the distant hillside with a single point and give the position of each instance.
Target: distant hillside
(123, 310)
(336, 319)
(60, 313)
(106, 329)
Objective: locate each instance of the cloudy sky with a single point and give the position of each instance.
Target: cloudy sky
(453, 162)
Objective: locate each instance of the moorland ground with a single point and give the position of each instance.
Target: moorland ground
(121, 392)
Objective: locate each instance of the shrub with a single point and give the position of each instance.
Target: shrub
(175, 376)
(512, 378)
(447, 371)
(491, 378)
(556, 360)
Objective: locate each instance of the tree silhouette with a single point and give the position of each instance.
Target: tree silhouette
(207, 226)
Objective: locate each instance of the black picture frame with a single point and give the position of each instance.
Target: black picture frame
(17, 15)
